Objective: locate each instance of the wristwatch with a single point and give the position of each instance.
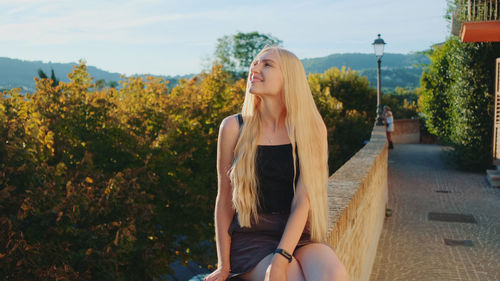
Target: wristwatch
(284, 253)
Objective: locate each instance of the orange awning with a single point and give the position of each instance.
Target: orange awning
(481, 31)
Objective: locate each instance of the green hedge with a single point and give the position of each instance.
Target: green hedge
(457, 99)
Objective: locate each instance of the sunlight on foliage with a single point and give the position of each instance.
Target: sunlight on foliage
(116, 184)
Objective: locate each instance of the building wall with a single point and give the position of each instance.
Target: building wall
(357, 194)
(406, 131)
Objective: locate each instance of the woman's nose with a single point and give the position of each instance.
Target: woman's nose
(255, 68)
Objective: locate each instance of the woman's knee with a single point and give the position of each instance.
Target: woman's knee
(293, 272)
(319, 262)
(263, 268)
(338, 272)
(259, 271)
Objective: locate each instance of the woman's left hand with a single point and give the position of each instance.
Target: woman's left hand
(277, 269)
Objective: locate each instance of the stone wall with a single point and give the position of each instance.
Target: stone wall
(406, 131)
(357, 194)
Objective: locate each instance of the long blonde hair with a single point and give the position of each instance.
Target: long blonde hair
(306, 130)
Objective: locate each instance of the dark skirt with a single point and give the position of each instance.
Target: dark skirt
(249, 245)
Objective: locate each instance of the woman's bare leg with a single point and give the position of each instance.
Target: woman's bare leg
(258, 273)
(320, 263)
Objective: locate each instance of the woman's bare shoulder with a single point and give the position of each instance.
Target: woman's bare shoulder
(229, 128)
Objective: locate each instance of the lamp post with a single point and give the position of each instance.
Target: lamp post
(378, 45)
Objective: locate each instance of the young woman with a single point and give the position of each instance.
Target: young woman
(271, 208)
(389, 124)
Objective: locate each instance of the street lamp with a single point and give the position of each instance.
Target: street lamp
(378, 46)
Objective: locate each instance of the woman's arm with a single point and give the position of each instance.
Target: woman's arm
(295, 224)
(224, 211)
(293, 230)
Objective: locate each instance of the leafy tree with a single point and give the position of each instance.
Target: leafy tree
(436, 101)
(403, 103)
(349, 88)
(457, 99)
(100, 84)
(53, 77)
(450, 9)
(112, 84)
(347, 104)
(92, 181)
(236, 52)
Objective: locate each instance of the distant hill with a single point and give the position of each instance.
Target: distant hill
(396, 69)
(15, 73)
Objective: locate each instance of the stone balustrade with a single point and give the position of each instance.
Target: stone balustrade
(358, 194)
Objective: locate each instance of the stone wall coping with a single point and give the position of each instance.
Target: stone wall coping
(406, 120)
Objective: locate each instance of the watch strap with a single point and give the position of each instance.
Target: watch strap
(284, 254)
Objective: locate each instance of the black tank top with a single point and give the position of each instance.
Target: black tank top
(275, 176)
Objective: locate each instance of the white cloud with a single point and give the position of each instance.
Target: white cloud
(130, 23)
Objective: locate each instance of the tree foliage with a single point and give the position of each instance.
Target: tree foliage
(93, 182)
(403, 103)
(98, 183)
(457, 99)
(53, 77)
(348, 106)
(236, 52)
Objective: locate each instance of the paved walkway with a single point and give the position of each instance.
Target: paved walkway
(413, 244)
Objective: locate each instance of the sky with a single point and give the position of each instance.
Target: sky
(173, 37)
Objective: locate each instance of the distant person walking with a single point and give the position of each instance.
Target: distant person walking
(389, 124)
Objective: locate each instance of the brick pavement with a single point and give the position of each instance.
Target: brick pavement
(411, 246)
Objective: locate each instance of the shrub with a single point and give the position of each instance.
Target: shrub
(93, 181)
(457, 99)
(347, 104)
(403, 103)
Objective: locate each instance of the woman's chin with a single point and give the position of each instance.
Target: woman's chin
(253, 91)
